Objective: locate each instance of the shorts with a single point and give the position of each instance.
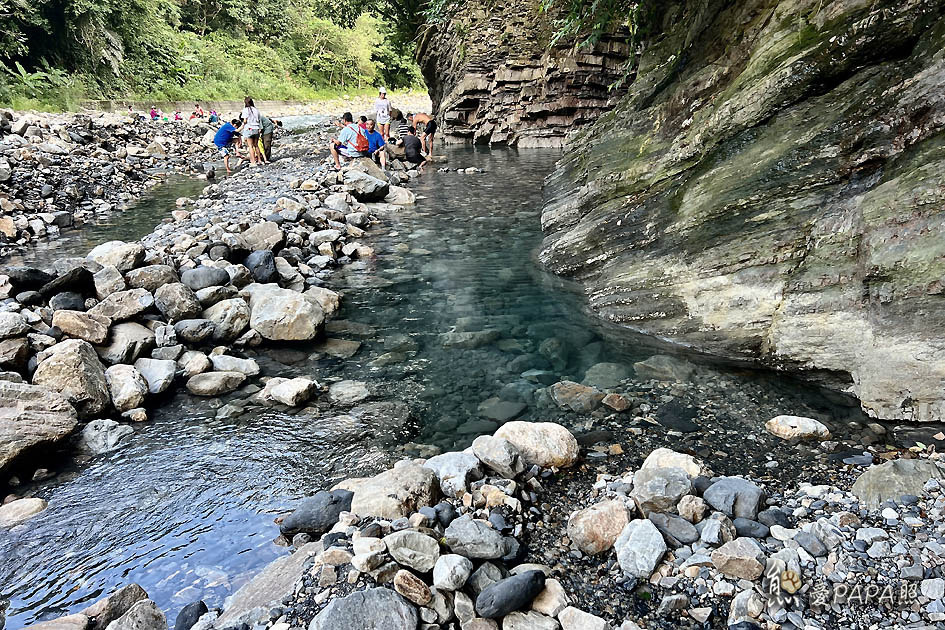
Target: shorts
(252, 134)
(224, 151)
(350, 153)
(383, 120)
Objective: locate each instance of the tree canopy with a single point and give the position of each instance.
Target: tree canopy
(182, 48)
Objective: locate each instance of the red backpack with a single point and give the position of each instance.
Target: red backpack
(361, 144)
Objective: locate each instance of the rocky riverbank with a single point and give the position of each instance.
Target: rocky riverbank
(58, 171)
(90, 342)
(527, 529)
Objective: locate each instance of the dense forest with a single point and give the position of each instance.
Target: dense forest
(54, 52)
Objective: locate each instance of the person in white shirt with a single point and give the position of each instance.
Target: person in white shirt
(382, 109)
(250, 130)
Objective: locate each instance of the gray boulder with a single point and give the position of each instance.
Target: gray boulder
(455, 471)
(12, 325)
(893, 479)
(735, 497)
(318, 514)
(73, 369)
(129, 340)
(158, 373)
(230, 318)
(215, 383)
(371, 609)
(512, 593)
(31, 417)
(265, 235)
(451, 572)
(126, 386)
(123, 256)
(151, 277)
(177, 301)
(413, 549)
(123, 305)
(474, 539)
(194, 330)
(366, 188)
(203, 277)
(499, 454)
(640, 547)
(282, 314)
(660, 489)
(102, 436)
(143, 615)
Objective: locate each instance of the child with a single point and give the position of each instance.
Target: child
(223, 139)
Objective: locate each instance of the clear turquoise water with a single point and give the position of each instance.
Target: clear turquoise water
(186, 509)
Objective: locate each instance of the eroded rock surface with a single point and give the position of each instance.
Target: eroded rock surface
(768, 189)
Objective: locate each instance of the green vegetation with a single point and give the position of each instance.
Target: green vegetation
(55, 52)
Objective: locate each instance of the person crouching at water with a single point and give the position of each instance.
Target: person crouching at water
(376, 144)
(223, 139)
(251, 129)
(351, 142)
(413, 150)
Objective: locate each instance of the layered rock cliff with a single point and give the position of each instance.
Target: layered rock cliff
(772, 188)
(495, 79)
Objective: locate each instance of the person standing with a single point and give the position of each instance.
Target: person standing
(382, 109)
(268, 130)
(429, 132)
(251, 129)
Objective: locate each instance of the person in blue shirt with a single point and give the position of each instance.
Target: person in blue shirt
(376, 144)
(223, 139)
(346, 145)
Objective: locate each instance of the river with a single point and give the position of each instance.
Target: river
(186, 509)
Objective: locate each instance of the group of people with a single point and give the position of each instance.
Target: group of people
(389, 128)
(252, 131)
(156, 114)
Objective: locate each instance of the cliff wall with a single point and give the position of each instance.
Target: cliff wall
(772, 188)
(495, 79)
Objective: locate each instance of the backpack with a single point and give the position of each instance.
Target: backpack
(361, 144)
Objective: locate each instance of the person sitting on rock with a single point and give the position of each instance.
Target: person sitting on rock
(413, 149)
(351, 142)
(223, 139)
(376, 144)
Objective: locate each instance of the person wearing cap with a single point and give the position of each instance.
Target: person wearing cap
(382, 110)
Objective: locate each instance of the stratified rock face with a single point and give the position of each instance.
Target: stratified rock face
(495, 79)
(770, 189)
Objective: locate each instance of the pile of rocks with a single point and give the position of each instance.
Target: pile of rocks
(59, 170)
(101, 336)
(429, 543)
(443, 543)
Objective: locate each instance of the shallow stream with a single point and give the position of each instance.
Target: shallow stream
(186, 509)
